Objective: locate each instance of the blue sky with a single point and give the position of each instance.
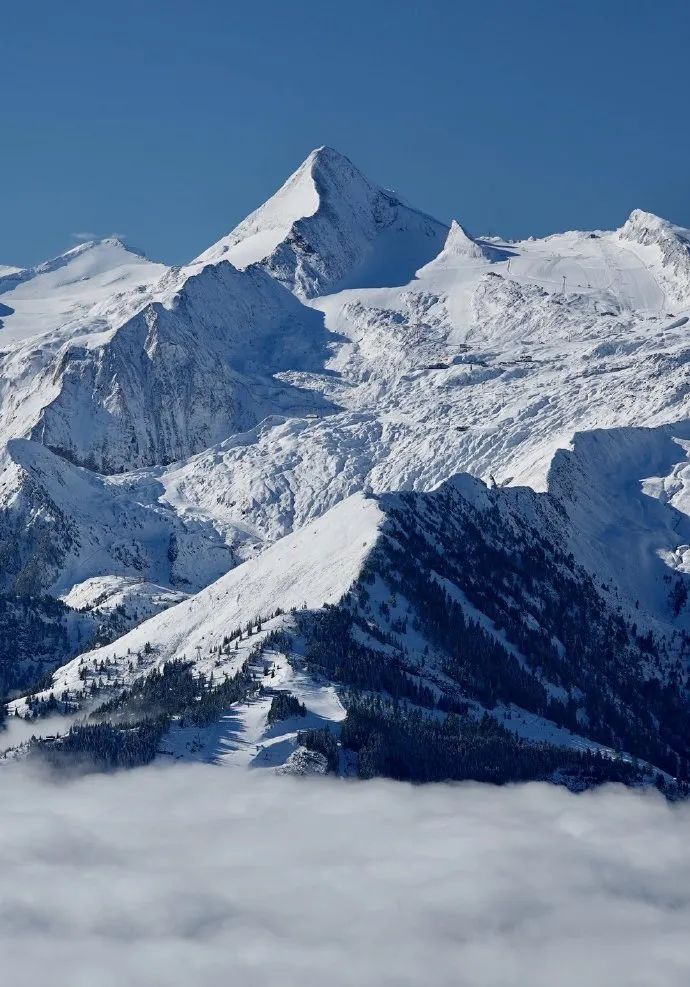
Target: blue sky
(167, 122)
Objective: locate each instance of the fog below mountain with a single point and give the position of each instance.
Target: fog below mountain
(201, 876)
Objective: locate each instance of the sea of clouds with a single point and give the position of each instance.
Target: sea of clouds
(204, 876)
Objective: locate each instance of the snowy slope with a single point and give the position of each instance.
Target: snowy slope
(184, 371)
(61, 525)
(663, 248)
(626, 492)
(309, 568)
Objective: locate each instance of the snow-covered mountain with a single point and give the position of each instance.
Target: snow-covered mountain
(65, 288)
(157, 372)
(329, 226)
(464, 599)
(240, 440)
(6, 269)
(63, 525)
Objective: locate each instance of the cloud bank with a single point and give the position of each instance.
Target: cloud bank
(18, 730)
(201, 876)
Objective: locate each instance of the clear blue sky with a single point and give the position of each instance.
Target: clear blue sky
(167, 122)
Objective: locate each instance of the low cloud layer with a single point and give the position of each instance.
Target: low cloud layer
(201, 876)
(18, 730)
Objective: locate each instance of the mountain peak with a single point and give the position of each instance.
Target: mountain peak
(112, 249)
(327, 164)
(85, 260)
(459, 246)
(325, 154)
(644, 226)
(106, 243)
(460, 243)
(322, 224)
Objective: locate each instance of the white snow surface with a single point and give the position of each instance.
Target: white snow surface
(137, 599)
(244, 738)
(147, 375)
(486, 361)
(663, 247)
